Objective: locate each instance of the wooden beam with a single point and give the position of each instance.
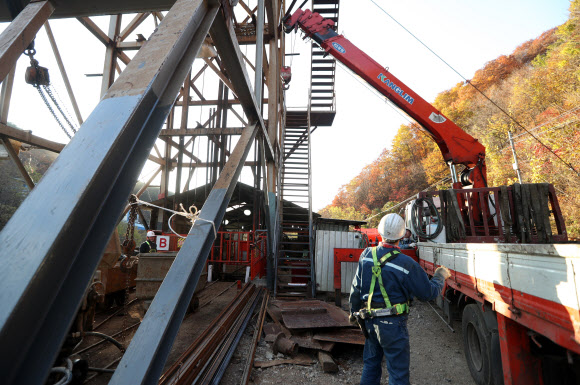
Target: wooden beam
(27, 137)
(18, 35)
(202, 131)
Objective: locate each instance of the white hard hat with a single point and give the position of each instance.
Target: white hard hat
(392, 227)
(150, 233)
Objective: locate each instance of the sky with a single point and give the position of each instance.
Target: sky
(466, 34)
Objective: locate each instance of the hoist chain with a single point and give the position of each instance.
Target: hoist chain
(48, 90)
(52, 111)
(38, 77)
(129, 242)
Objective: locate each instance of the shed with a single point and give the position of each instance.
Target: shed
(331, 234)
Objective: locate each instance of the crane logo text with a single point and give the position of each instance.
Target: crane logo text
(396, 88)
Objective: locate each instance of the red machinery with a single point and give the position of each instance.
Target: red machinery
(240, 248)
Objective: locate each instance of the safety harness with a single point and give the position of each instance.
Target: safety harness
(151, 248)
(389, 310)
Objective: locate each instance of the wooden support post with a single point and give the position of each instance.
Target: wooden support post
(63, 72)
(111, 54)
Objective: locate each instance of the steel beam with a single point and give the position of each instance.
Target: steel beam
(225, 41)
(144, 360)
(54, 241)
(19, 34)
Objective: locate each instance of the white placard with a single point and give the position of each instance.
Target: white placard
(162, 242)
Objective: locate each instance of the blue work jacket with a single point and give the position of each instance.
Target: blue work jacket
(402, 277)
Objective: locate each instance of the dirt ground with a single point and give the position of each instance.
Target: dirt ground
(436, 352)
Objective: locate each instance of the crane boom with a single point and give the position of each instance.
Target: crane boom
(457, 146)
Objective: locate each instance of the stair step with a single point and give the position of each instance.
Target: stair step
(325, 10)
(323, 76)
(294, 275)
(317, 2)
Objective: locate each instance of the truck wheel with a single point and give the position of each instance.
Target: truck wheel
(476, 338)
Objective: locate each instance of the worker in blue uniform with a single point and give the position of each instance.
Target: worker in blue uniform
(384, 283)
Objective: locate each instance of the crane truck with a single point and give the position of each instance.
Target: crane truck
(514, 284)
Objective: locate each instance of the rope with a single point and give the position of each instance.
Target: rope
(478, 90)
(192, 216)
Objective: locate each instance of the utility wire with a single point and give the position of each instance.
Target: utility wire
(446, 179)
(376, 93)
(477, 89)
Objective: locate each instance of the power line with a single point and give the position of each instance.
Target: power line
(477, 89)
(446, 179)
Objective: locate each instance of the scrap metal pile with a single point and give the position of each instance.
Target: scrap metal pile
(311, 326)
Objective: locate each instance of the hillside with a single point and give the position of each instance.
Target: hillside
(537, 84)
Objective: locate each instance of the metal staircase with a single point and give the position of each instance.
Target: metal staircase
(323, 69)
(295, 262)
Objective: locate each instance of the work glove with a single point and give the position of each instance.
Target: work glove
(352, 320)
(442, 272)
(413, 245)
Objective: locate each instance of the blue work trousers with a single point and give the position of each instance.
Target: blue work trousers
(388, 336)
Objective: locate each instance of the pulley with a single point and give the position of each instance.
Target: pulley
(36, 75)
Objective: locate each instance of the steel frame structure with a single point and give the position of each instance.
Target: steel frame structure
(73, 210)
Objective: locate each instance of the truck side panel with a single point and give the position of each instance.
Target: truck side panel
(534, 285)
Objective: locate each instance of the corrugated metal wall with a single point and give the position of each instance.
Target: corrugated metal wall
(326, 241)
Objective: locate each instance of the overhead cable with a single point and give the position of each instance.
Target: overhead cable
(446, 179)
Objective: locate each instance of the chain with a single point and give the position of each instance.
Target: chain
(52, 111)
(40, 80)
(129, 242)
(48, 90)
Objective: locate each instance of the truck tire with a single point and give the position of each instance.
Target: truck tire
(478, 343)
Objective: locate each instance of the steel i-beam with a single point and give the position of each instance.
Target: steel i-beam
(53, 243)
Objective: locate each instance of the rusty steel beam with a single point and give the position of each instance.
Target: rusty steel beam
(74, 208)
(18, 35)
(189, 365)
